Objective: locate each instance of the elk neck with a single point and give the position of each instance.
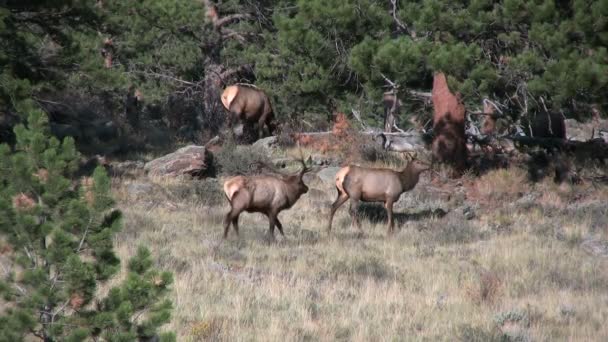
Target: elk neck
(409, 176)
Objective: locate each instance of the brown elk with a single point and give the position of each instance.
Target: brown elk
(374, 185)
(249, 104)
(266, 194)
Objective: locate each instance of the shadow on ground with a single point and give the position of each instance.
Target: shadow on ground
(375, 213)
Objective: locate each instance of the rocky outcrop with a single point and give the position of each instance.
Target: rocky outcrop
(191, 160)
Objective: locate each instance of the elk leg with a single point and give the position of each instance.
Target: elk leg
(354, 207)
(261, 123)
(235, 224)
(389, 210)
(272, 221)
(342, 197)
(227, 220)
(280, 226)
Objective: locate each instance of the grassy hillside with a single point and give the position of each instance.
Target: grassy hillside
(530, 264)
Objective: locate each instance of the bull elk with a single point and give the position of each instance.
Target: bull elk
(374, 185)
(249, 104)
(266, 194)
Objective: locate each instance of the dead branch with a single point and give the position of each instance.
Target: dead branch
(231, 18)
(232, 34)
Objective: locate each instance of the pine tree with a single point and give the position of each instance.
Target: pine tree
(56, 232)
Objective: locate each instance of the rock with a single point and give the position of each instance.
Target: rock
(265, 143)
(328, 174)
(323, 160)
(468, 213)
(585, 131)
(596, 247)
(316, 194)
(567, 310)
(139, 189)
(190, 160)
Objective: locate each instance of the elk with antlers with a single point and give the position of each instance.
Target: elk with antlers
(266, 194)
(375, 185)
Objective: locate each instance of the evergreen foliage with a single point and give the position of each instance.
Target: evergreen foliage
(312, 56)
(59, 231)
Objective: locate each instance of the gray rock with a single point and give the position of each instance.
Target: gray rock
(583, 131)
(190, 160)
(468, 213)
(596, 247)
(265, 143)
(328, 174)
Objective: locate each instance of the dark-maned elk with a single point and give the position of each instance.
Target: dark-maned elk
(248, 104)
(266, 194)
(374, 185)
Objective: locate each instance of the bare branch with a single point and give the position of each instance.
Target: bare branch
(398, 129)
(400, 24)
(493, 104)
(390, 83)
(233, 34)
(357, 116)
(84, 236)
(169, 77)
(421, 94)
(230, 18)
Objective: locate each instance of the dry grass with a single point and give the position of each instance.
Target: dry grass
(515, 272)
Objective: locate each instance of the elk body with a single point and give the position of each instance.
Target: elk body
(264, 194)
(249, 105)
(374, 185)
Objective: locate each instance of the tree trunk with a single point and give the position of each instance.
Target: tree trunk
(391, 109)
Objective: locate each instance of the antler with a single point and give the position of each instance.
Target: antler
(301, 160)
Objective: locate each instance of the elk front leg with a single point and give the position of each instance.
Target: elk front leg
(342, 197)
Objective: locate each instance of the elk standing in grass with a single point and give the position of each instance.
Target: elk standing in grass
(264, 194)
(374, 185)
(249, 104)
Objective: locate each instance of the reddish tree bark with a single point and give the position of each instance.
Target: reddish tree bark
(449, 142)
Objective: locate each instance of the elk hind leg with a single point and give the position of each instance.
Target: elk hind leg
(279, 225)
(342, 197)
(389, 210)
(271, 224)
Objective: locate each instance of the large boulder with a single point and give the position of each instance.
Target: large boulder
(266, 144)
(191, 160)
(328, 174)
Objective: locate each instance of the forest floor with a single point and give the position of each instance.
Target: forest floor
(477, 259)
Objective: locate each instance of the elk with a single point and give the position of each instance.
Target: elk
(249, 104)
(266, 194)
(374, 185)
